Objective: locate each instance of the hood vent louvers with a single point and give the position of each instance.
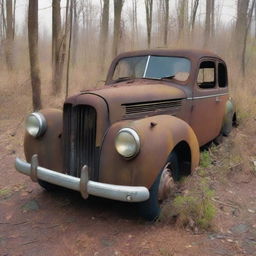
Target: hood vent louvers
(152, 107)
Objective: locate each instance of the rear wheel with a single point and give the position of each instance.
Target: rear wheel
(161, 188)
(227, 128)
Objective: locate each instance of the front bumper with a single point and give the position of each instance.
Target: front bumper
(83, 184)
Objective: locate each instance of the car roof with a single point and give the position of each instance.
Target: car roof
(193, 54)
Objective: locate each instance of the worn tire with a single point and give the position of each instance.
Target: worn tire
(150, 209)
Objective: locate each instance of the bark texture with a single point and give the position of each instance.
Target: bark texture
(57, 48)
(240, 28)
(104, 33)
(182, 18)
(118, 5)
(209, 22)
(149, 12)
(166, 21)
(33, 53)
(9, 34)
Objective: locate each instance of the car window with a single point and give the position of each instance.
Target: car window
(222, 75)
(155, 67)
(206, 75)
(130, 67)
(159, 67)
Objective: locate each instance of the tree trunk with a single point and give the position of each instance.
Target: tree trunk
(56, 47)
(33, 53)
(3, 20)
(104, 33)
(149, 9)
(166, 21)
(207, 27)
(240, 28)
(209, 22)
(243, 64)
(182, 18)
(118, 4)
(193, 15)
(75, 33)
(14, 18)
(69, 44)
(9, 35)
(213, 19)
(134, 23)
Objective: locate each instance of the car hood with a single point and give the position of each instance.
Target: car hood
(131, 93)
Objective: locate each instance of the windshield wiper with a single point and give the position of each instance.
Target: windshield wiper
(167, 77)
(123, 78)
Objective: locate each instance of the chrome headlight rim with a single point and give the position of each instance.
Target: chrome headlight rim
(41, 121)
(136, 139)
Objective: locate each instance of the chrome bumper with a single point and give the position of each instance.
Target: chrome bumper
(82, 184)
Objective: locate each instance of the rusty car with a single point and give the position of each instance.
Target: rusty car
(132, 139)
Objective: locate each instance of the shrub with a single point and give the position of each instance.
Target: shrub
(196, 208)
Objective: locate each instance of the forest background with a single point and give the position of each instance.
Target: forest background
(78, 39)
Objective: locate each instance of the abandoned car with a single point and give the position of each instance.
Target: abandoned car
(134, 138)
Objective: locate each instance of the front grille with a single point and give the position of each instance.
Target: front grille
(171, 105)
(79, 136)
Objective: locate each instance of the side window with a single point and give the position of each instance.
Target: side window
(206, 75)
(222, 75)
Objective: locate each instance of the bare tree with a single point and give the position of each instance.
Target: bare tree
(3, 21)
(104, 33)
(193, 15)
(166, 21)
(33, 53)
(182, 18)
(209, 21)
(134, 23)
(149, 12)
(9, 34)
(75, 32)
(118, 5)
(58, 46)
(240, 27)
(249, 20)
(69, 43)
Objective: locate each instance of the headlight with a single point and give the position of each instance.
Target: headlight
(127, 143)
(36, 124)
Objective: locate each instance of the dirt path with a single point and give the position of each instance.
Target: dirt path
(36, 222)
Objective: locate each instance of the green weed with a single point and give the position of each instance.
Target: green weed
(5, 193)
(205, 159)
(196, 207)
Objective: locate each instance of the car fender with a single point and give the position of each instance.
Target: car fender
(159, 135)
(48, 147)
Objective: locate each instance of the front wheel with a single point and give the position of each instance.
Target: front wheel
(161, 188)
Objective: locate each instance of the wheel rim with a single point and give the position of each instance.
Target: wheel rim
(166, 183)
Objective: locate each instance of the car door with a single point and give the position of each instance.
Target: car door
(205, 99)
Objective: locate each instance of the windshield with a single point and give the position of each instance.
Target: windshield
(155, 67)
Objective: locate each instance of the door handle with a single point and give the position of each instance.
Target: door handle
(217, 99)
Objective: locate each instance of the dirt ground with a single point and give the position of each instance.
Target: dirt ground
(36, 222)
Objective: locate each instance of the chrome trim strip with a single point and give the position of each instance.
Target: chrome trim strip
(114, 192)
(146, 67)
(207, 96)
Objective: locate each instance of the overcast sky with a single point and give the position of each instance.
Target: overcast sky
(227, 7)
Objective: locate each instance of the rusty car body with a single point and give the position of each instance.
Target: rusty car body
(142, 131)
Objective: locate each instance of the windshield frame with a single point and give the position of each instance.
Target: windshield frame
(110, 79)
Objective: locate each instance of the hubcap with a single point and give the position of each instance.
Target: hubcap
(166, 183)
